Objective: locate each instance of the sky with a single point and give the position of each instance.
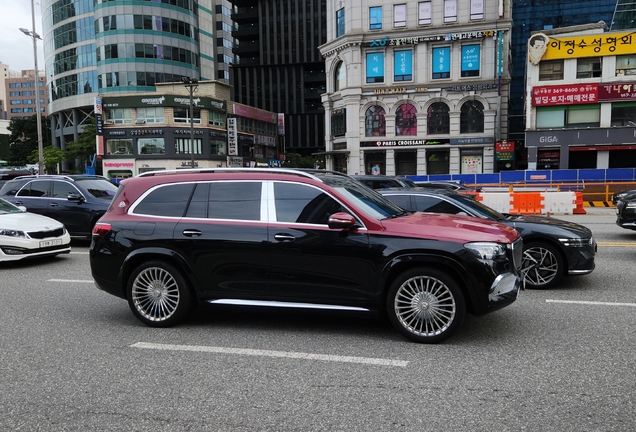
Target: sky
(16, 49)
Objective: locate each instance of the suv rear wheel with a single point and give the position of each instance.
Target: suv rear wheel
(425, 305)
(159, 295)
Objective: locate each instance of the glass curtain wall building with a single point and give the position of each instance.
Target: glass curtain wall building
(279, 68)
(535, 15)
(108, 47)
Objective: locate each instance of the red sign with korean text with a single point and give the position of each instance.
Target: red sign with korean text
(504, 146)
(617, 91)
(570, 94)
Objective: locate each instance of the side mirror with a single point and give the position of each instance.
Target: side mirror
(23, 208)
(75, 197)
(342, 220)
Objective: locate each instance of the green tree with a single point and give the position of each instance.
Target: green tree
(296, 160)
(84, 147)
(53, 156)
(24, 138)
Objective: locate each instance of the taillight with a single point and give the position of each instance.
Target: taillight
(101, 228)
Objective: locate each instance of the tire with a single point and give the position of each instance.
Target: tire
(542, 265)
(159, 295)
(425, 305)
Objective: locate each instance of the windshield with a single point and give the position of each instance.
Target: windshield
(99, 188)
(407, 182)
(7, 207)
(364, 198)
(479, 208)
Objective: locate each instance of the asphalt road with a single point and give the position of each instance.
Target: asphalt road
(74, 358)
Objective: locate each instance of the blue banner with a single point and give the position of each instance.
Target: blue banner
(375, 65)
(470, 58)
(403, 62)
(441, 60)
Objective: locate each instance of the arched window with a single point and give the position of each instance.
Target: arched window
(437, 119)
(340, 77)
(471, 118)
(406, 120)
(374, 122)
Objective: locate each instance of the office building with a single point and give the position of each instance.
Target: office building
(278, 66)
(102, 47)
(21, 94)
(581, 98)
(416, 88)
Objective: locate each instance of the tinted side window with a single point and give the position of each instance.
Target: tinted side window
(38, 189)
(435, 205)
(12, 188)
(403, 201)
(235, 200)
(198, 207)
(303, 204)
(62, 189)
(169, 200)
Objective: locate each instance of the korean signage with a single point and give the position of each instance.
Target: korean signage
(602, 44)
(232, 138)
(574, 94)
(441, 60)
(570, 94)
(414, 40)
(375, 64)
(162, 101)
(470, 58)
(505, 150)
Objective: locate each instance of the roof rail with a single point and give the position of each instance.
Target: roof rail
(45, 176)
(304, 172)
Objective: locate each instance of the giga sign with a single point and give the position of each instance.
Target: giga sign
(548, 139)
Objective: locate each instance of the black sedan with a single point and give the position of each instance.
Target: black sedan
(552, 247)
(628, 193)
(626, 212)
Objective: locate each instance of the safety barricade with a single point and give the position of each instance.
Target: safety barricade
(546, 203)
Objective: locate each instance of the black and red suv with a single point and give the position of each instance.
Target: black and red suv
(292, 238)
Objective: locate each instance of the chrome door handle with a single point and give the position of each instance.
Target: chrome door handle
(284, 237)
(53, 204)
(191, 233)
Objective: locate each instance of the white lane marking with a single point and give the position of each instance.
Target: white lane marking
(267, 353)
(591, 303)
(80, 253)
(70, 280)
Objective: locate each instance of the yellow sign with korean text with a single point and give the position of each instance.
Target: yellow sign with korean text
(602, 44)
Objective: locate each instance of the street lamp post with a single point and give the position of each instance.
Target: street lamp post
(191, 85)
(33, 35)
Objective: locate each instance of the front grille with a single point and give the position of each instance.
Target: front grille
(47, 234)
(517, 252)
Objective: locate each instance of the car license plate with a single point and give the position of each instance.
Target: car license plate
(47, 243)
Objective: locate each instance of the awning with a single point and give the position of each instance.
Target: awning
(331, 153)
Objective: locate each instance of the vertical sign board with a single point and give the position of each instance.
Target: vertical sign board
(232, 137)
(99, 136)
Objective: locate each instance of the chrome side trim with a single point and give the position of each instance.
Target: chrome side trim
(238, 302)
(580, 272)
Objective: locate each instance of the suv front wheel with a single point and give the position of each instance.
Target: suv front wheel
(425, 305)
(159, 295)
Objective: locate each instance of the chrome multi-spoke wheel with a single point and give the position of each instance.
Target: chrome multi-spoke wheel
(158, 294)
(425, 305)
(542, 265)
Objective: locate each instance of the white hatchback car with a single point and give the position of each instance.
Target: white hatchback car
(29, 235)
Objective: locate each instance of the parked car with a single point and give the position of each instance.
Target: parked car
(626, 212)
(77, 201)
(552, 248)
(303, 239)
(9, 173)
(28, 235)
(384, 181)
(451, 185)
(623, 194)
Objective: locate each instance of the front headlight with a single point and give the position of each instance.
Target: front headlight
(486, 250)
(577, 242)
(631, 204)
(12, 233)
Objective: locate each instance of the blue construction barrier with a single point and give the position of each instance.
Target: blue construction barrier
(544, 176)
